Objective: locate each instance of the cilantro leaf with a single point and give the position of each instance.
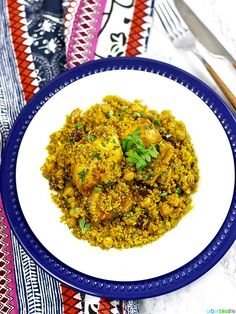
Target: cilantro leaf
(133, 157)
(110, 113)
(141, 164)
(82, 174)
(147, 157)
(91, 137)
(136, 132)
(123, 110)
(138, 155)
(149, 176)
(96, 155)
(79, 126)
(152, 151)
(84, 227)
(127, 143)
(98, 189)
(179, 191)
(156, 122)
(163, 194)
(130, 140)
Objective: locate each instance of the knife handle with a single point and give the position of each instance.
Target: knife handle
(227, 92)
(234, 64)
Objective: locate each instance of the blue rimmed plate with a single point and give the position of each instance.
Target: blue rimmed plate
(180, 256)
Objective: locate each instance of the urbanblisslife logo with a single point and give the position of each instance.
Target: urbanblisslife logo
(221, 311)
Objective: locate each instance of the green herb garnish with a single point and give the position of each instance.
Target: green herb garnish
(134, 159)
(98, 189)
(163, 194)
(110, 113)
(156, 122)
(84, 227)
(91, 137)
(128, 215)
(79, 126)
(179, 191)
(82, 174)
(138, 115)
(123, 110)
(131, 139)
(75, 209)
(110, 183)
(96, 155)
(152, 151)
(138, 155)
(149, 176)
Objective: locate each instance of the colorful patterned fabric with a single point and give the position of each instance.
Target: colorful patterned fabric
(39, 39)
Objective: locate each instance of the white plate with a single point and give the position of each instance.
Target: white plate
(195, 231)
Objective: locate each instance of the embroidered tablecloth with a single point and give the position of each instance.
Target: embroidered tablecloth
(39, 39)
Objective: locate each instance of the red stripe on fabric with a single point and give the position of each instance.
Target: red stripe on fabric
(71, 300)
(136, 28)
(8, 300)
(15, 21)
(105, 306)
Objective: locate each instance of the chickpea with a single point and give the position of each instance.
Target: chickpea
(60, 147)
(146, 203)
(69, 191)
(165, 210)
(106, 109)
(59, 174)
(108, 242)
(154, 213)
(173, 200)
(71, 222)
(165, 115)
(129, 222)
(171, 125)
(129, 176)
(189, 183)
(151, 228)
(74, 213)
(137, 108)
(180, 134)
(150, 136)
(75, 116)
(165, 177)
(72, 202)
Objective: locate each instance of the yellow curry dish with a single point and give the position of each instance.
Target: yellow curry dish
(122, 175)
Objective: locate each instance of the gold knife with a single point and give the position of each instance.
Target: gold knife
(202, 33)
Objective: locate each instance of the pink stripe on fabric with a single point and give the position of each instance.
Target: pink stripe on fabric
(97, 28)
(9, 257)
(91, 32)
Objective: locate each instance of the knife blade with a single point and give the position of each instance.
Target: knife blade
(201, 32)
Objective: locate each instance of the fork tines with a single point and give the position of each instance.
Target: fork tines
(170, 18)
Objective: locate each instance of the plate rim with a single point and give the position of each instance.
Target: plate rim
(96, 286)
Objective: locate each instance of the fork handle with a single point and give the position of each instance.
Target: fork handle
(227, 92)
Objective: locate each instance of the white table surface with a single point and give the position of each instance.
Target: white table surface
(216, 290)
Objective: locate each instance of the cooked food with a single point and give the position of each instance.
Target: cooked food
(122, 174)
